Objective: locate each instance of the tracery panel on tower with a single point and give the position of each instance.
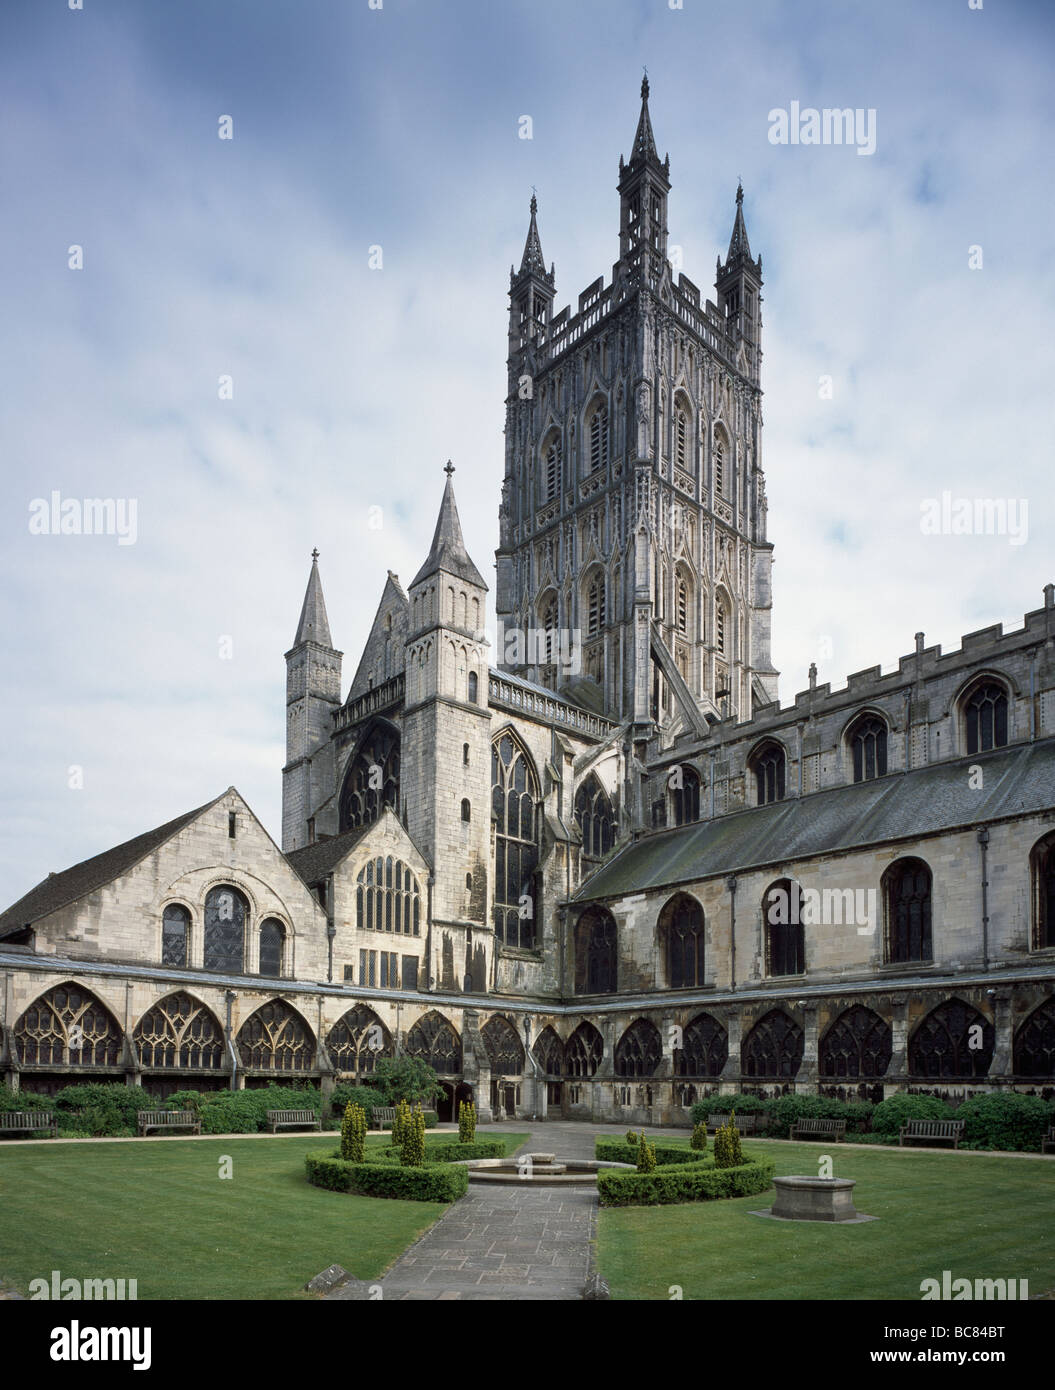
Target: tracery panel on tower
(372, 780)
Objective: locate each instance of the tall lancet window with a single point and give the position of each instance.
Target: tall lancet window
(599, 439)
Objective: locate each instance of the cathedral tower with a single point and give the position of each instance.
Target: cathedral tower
(633, 565)
(446, 769)
(313, 692)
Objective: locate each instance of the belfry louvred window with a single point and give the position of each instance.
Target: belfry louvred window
(985, 715)
(599, 439)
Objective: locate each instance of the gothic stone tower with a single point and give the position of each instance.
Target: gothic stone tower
(313, 693)
(446, 759)
(633, 516)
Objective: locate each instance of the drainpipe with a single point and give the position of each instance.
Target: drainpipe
(983, 840)
(730, 883)
(229, 999)
(535, 1066)
(430, 979)
(1032, 695)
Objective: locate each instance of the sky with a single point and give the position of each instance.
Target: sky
(231, 355)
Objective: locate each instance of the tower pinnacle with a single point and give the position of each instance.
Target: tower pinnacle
(314, 625)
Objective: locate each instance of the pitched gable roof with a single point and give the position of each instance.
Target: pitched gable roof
(57, 890)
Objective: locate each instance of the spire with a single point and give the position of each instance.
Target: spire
(533, 262)
(738, 243)
(644, 146)
(448, 548)
(314, 626)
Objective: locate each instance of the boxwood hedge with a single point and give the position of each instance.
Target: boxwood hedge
(684, 1182)
(618, 1151)
(433, 1183)
(440, 1152)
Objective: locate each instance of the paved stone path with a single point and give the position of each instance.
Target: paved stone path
(514, 1242)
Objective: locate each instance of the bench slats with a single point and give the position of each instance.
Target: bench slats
(28, 1122)
(951, 1130)
(289, 1119)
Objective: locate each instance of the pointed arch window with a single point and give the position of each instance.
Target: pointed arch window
(945, 1045)
(595, 818)
(180, 1032)
(682, 934)
(595, 606)
(435, 1040)
(868, 745)
(906, 896)
(639, 1051)
(357, 1041)
(1042, 864)
(720, 618)
(272, 947)
(681, 605)
(685, 795)
(505, 1052)
(985, 717)
(474, 687)
(584, 1051)
(599, 439)
(388, 897)
(681, 438)
(226, 915)
(704, 1048)
(719, 468)
(67, 1026)
(769, 766)
(549, 628)
(1034, 1050)
(784, 929)
(175, 934)
(552, 474)
(773, 1048)
(858, 1045)
(372, 780)
(515, 801)
(595, 952)
(276, 1038)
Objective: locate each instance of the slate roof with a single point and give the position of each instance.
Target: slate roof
(314, 625)
(57, 890)
(926, 801)
(315, 862)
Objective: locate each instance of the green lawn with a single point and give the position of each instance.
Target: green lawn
(990, 1217)
(160, 1213)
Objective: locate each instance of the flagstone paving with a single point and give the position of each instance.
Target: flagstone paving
(505, 1242)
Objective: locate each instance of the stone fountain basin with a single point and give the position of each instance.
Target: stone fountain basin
(806, 1198)
(545, 1171)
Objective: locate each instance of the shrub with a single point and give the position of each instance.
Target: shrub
(728, 1152)
(1005, 1120)
(889, 1115)
(184, 1100)
(631, 1138)
(23, 1100)
(646, 1156)
(467, 1122)
(699, 1137)
(722, 1105)
(444, 1149)
(405, 1078)
(437, 1183)
(690, 1182)
(369, 1097)
(616, 1151)
(412, 1149)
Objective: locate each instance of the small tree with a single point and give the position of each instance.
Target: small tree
(466, 1122)
(699, 1136)
(412, 1152)
(631, 1138)
(727, 1149)
(353, 1133)
(646, 1156)
(399, 1124)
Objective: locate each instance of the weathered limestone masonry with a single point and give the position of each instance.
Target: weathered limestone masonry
(610, 874)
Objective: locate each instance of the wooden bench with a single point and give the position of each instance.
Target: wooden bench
(383, 1116)
(1047, 1144)
(167, 1119)
(27, 1122)
(745, 1124)
(292, 1119)
(817, 1127)
(934, 1131)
